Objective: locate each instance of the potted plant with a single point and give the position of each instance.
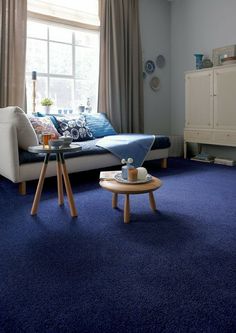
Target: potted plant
(46, 103)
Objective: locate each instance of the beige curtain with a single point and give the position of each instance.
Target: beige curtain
(120, 76)
(13, 19)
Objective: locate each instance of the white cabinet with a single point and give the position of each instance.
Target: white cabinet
(225, 98)
(199, 99)
(210, 106)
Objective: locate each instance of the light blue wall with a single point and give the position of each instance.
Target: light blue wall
(197, 26)
(155, 35)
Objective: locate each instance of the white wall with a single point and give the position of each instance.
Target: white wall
(155, 36)
(197, 26)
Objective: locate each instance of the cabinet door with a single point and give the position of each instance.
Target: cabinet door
(225, 98)
(199, 99)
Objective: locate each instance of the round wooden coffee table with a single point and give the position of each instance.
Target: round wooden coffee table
(127, 189)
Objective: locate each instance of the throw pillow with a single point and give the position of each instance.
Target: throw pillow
(43, 124)
(25, 133)
(74, 127)
(99, 125)
(52, 117)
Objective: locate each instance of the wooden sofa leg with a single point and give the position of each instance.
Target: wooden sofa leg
(164, 163)
(22, 188)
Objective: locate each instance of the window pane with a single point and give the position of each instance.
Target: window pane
(41, 92)
(36, 30)
(60, 34)
(36, 59)
(60, 59)
(61, 91)
(85, 90)
(84, 38)
(86, 63)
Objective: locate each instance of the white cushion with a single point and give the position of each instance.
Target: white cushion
(25, 133)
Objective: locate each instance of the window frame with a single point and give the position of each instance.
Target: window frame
(70, 25)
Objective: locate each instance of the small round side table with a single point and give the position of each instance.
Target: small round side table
(127, 189)
(61, 171)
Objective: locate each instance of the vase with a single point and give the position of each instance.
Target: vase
(198, 60)
(47, 109)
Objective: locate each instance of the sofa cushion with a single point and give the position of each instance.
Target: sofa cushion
(99, 125)
(74, 127)
(88, 148)
(25, 133)
(43, 124)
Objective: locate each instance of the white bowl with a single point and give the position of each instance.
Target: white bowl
(55, 143)
(66, 140)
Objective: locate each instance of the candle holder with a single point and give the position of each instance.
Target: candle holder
(126, 167)
(34, 78)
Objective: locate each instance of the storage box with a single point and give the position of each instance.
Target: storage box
(222, 52)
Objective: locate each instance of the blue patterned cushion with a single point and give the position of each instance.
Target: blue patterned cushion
(74, 127)
(99, 125)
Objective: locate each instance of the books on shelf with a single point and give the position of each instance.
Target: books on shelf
(107, 175)
(224, 161)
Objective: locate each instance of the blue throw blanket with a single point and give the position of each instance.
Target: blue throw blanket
(135, 146)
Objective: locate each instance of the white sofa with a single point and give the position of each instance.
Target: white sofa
(16, 131)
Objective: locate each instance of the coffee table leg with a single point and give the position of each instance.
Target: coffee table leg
(152, 201)
(69, 193)
(114, 200)
(126, 209)
(40, 186)
(59, 182)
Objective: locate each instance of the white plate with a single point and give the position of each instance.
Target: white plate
(155, 83)
(161, 61)
(119, 179)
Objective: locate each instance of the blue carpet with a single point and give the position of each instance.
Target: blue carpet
(171, 271)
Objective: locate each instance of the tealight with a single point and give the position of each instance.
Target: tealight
(142, 173)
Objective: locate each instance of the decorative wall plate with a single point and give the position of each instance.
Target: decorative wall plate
(161, 61)
(155, 83)
(149, 66)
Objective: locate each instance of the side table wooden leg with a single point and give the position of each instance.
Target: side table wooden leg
(152, 201)
(40, 186)
(69, 193)
(114, 200)
(59, 182)
(126, 209)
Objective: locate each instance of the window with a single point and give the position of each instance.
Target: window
(66, 59)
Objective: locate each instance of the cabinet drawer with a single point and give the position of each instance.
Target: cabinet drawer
(227, 138)
(198, 136)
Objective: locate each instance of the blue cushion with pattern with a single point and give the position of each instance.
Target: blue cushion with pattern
(99, 125)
